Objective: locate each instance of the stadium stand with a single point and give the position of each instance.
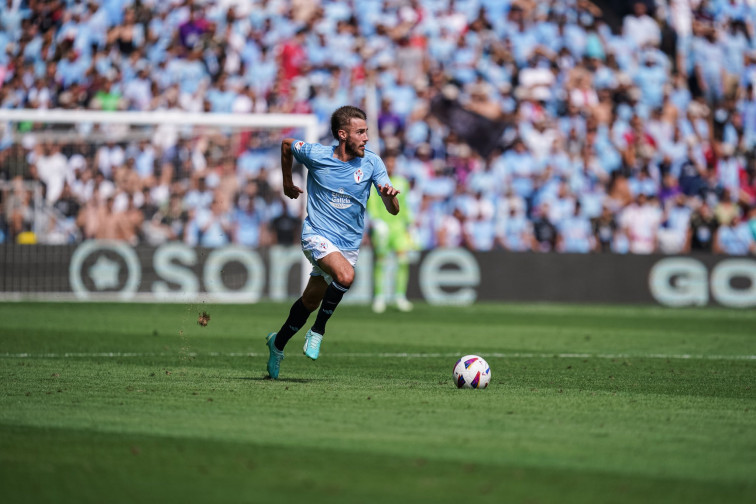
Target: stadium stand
(522, 125)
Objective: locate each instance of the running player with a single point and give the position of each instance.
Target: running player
(339, 179)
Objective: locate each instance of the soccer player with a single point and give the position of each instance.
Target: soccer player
(339, 180)
(391, 236)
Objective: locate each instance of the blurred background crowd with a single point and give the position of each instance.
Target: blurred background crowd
(562, 125)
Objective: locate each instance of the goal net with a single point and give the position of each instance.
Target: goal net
(132, 205)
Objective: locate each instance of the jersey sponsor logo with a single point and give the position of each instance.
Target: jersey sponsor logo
(358, 175)
(298, 145)
(340, 200)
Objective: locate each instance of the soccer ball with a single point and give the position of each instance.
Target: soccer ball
(472, 371)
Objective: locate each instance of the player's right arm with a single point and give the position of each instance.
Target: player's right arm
(287, 161)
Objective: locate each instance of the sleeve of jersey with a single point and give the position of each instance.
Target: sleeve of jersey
(301, 151)
(380, 175)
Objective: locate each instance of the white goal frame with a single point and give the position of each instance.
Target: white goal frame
(308, 122)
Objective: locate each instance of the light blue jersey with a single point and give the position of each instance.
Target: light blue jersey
(337, 192)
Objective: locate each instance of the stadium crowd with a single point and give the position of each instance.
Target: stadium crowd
(582, 135)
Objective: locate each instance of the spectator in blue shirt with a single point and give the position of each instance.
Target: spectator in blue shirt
(247, 223)
(71, 69)
(735, 238)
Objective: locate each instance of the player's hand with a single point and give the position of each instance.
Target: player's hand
(387, 190)
(292, 191)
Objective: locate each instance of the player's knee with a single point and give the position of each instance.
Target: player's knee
(345, 277)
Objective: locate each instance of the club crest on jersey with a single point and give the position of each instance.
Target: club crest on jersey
(358, 175)
(298, 145)
(340, 200)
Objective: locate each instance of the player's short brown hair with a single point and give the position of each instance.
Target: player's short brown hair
(341, 117)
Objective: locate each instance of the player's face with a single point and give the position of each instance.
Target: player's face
(356, 137)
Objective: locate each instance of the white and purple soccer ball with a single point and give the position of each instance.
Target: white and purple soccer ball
(472, 371)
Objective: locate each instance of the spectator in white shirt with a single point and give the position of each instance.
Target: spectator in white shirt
(641, 28)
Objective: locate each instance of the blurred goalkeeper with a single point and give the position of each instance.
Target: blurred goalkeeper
(391, 236)
(339, 180)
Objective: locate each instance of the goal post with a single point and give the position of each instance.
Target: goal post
(307, 122)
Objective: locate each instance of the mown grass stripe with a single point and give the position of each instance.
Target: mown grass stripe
(380, 355)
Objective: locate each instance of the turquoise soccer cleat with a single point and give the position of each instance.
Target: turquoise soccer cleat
(312, 344)
(276, 356)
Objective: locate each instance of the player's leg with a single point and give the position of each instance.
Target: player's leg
(380, 237)
(336, 267)
(298, 315)
(401, 280)
(341, 272)
(379, 278)
(314, 292)
(301, 309)
(400, 244)
(379, 271)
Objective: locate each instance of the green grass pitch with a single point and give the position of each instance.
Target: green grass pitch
(138, 403)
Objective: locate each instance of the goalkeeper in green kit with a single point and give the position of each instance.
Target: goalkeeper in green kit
(390, 234)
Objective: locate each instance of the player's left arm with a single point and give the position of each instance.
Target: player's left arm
(388, 195)
(386, 191)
